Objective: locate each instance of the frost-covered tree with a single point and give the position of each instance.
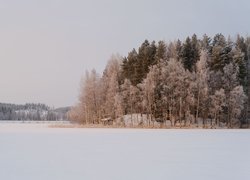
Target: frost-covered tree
(236, 102)
(205, 43)
(201, 85)
(230, 77)
(174, 50)
(110, 86)
(217, 102)
(152, 94)
(130, 98)
(233, 91)
(119, 106)
(160, 53)
(220, 53)
(176, 90)
(88, 108)
(241, 62)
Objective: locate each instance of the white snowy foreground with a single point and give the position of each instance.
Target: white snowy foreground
(40, 153)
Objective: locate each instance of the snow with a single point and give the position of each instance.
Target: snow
(38, 152)
(10, 124)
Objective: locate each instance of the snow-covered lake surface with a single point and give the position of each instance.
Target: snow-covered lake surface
(41, 153)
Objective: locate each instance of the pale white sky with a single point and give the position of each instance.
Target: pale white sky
(46, 45)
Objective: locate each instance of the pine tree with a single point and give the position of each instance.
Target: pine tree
(160, 52)
(125, 93)
(146, 58)
(178, 49)
(206, 44)
(195, 49)
(221, 53)
(219, 40)
(240, 57)
(186, 54)
(129, 66)
(190, 53)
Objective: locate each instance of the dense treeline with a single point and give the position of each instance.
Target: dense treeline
(197, 81)
(30, 111)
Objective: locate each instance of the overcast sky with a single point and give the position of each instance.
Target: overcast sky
(46, 45)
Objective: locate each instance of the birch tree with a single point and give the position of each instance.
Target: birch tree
(236, 102)
(201, 84)
(152, 92)
(176, 90)
(110, 90)
(217, 102)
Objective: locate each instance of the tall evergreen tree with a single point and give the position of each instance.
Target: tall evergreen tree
(129, 66)
(221, 53)
(178, 49)
(186, 54)
(206, 44)
(190, 53)
(160, 52)
(240, 57)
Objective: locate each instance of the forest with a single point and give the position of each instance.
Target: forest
(31, 111)
(195, 82)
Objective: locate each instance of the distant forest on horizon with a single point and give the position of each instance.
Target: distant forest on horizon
(32, 111)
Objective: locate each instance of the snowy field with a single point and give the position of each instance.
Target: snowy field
(40, 153)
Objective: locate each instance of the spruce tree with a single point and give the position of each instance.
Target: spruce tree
(129, 66)
(178, 49)
(240, 57)
(221, 53)
(206, 44)
(160, 52)
(186, 54)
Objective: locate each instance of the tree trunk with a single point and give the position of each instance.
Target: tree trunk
(197, 106)
(180, 111)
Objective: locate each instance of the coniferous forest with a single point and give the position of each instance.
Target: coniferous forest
(31, 112)
(194, 82)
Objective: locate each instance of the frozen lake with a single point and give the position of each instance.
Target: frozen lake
(41, 153)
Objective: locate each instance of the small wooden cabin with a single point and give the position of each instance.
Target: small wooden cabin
(107, 121)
